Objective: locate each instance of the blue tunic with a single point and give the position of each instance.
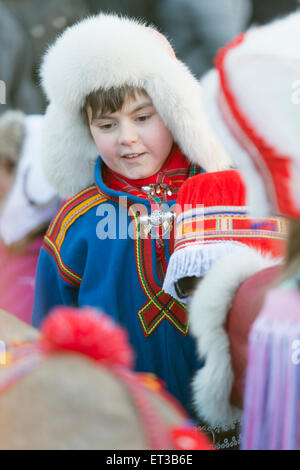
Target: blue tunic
(88, 259)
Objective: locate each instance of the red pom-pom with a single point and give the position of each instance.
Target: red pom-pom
(190, 438)
(89, 332)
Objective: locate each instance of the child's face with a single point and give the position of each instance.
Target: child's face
(134, 140)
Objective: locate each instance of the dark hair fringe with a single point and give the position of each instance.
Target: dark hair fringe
(108, 101)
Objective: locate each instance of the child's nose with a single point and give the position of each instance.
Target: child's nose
(127, 134)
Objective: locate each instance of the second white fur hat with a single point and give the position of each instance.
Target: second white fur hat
(252, 102)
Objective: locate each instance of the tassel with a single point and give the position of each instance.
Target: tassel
(196, 260)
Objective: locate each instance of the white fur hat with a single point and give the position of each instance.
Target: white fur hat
(107, 51)
(252, 102)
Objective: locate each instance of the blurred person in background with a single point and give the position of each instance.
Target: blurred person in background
(200, 28)
(27, 204)
(16, 65)
(267, 10)
(145, 9)
(41, 22)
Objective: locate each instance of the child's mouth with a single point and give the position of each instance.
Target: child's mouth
(132, 156)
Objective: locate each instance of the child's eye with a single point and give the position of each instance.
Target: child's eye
(143, 117)
(106, 127)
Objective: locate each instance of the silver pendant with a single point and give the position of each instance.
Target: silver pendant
(156, 219)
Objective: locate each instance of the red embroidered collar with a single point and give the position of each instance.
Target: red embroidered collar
(173, 173)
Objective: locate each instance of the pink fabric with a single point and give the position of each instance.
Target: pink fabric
(17, 279)
(246, 306)
(272, 406)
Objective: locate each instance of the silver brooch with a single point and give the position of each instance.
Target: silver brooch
(156, 219)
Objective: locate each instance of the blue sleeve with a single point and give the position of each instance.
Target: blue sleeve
(51, 289)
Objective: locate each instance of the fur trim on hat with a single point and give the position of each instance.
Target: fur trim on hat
(208, 311)
(255, 186)
(107, 51)
(12, 133)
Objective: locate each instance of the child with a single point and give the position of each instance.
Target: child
(116, 89)
(28, 205)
